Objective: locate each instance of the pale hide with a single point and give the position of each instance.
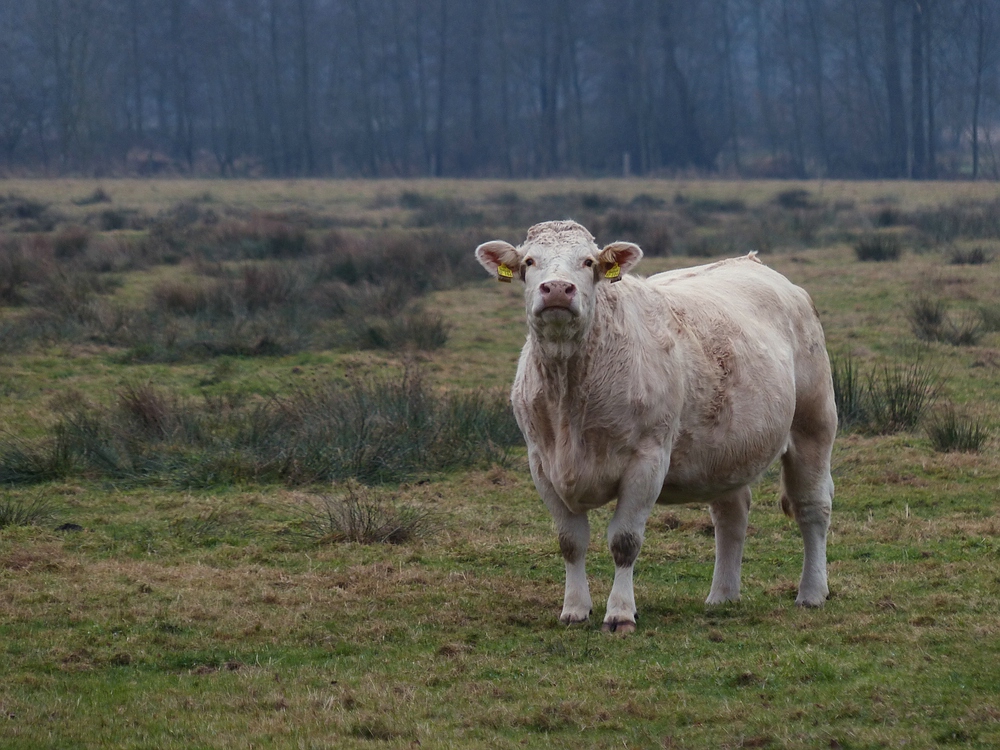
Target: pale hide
(683, 387)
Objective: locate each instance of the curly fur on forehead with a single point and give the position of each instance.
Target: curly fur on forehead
(554, 233)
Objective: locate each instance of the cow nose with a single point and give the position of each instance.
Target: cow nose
(557, 293)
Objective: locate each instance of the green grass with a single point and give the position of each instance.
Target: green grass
(141, 609)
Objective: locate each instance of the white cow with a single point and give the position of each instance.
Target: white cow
(683, 387)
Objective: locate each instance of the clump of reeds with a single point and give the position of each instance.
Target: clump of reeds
(886, 399)
(880, 247)
(364, 515)
(951, 430)
(976, 256)
(930, 321)
(15, 511)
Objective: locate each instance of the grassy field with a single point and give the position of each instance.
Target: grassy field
(210, 390)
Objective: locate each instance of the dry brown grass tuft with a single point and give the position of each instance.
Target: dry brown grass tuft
(37, 557)
(363, 515)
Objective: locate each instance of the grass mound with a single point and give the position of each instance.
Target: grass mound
(370, 429)
(364, 515)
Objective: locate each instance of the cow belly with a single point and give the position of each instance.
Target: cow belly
(677, 494)
(699, 477)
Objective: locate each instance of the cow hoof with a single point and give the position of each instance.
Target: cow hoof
(575, 616)
(809, 603)
(716, 601)
(621, 628)
(814, 601)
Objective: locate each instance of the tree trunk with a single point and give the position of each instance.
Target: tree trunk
(549, 50)
(267, 149)
(693, 148)
(575, 148)
(919, 170)
(977, 86)
(404, 84)
(183, 124)
(734, 130)
(442, 90)
(64, 120)
(763, 80)
(476, 91)
(798, 154)
(136, 66)
(651, 149)
(423, 91)
(817, 71)
(305, 92)
(929, 78)
(370, 156)
(277, 87)
(66, 40)
(896, 166)
(502, 9)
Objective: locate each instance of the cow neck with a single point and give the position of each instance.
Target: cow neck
(563, 377)
(566, 365)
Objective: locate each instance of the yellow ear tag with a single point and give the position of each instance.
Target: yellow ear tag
(614, 273)
(504, 274)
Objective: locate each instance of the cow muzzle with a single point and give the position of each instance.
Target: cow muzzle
(556, 295)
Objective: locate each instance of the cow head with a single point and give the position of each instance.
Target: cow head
(562, 268)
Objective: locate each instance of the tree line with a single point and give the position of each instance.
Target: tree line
(518, 88)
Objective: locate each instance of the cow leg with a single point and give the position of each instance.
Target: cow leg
(729, 514)
(807, 495)
(639, 489)
(574, 537)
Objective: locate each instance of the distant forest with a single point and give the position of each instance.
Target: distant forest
(501, 88)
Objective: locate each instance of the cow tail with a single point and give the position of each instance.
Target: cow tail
(786, 504)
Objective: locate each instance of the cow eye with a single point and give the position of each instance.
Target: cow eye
(529, 262)
(589, 263)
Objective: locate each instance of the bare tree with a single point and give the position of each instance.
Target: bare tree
(730, 75)
(369, 157)
(917, 90)
(896, 142)
(844, 88)
(304, 14)
(792, 66)
(442, 89)
(984, 24)
(815, 24)
(692, 148)
(929, 70)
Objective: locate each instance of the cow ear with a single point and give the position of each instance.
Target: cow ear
(499, 258)
(617, 259)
